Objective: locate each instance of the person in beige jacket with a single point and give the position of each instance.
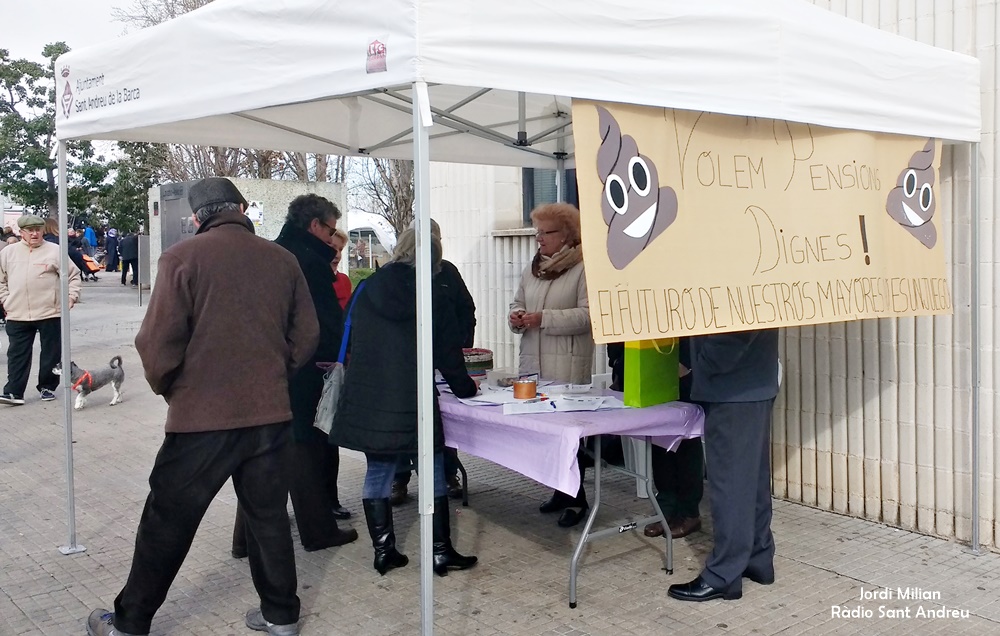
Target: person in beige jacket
(551, 312)
(29, 293)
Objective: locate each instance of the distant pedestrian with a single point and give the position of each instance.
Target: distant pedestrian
(223, 290)
(29, 293)
(89, 240)
(111, 250)
(128, 249)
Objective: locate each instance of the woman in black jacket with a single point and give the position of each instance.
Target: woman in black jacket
(377, 412)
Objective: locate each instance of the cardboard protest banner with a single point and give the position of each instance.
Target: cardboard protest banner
(697, 223)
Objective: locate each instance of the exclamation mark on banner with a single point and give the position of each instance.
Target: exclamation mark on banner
(864, 239)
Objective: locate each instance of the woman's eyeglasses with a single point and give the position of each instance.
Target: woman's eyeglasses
(544, 233)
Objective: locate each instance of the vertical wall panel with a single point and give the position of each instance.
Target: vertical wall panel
(888, 420)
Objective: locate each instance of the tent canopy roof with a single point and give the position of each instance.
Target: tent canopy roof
(294, 74)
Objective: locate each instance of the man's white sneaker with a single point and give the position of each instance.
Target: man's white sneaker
(101, 623)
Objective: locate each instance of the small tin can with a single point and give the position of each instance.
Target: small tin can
(525, 389)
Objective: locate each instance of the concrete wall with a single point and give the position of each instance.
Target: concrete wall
(874, 416)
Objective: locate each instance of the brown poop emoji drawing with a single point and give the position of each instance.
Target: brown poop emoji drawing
(911, 203)
(635, 208)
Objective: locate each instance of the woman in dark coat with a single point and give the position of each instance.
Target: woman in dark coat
(377, 413)
(111, 250)
(464, 306)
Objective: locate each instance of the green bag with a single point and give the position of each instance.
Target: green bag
(652, 373)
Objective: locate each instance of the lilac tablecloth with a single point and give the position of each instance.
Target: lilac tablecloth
(543, 446)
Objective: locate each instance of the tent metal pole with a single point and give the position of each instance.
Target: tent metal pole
(422, 120)
(976, 341)
(561, 170)
(71, 546)
(522, 134)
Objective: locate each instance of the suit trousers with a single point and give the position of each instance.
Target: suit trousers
(189, 471)
(21, 334)
(737, 446)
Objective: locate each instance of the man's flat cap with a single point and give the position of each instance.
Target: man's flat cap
(213, 190)
(30, 220)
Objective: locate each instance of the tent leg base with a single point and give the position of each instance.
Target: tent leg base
(72, 549)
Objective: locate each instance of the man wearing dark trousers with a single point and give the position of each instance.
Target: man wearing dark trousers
(735, 379)
(129, 251)
(29, 293)
(230, 319)
(309, 225)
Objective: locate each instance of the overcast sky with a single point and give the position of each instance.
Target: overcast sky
(26, 26)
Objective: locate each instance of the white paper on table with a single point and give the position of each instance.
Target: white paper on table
(578, 403)
(492, 396)
(562, 404)
(610, 403)
(569, 389)
(522, 407)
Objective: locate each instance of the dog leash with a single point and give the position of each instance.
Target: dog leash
(85, 376)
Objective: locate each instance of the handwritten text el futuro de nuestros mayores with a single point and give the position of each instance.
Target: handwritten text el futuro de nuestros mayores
(672, 310)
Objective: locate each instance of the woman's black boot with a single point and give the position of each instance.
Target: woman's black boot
(378, 513)
(445, 556)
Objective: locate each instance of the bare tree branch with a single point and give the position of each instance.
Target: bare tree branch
(385, 187)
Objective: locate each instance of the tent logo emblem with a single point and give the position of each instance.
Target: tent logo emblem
(634, 206)
(67, 96)
(67, 100)
(376, 57)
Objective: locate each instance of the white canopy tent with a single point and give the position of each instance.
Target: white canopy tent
(491, 83)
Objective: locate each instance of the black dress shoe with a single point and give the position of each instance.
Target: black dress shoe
(558, 501)
(698, 590)
(571, 517)
(763, 578)
(340, 512)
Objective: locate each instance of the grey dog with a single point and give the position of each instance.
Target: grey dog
(86, 382)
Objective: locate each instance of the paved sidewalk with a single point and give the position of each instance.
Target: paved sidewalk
(520, 587)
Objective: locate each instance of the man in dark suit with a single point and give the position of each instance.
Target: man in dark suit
(735, 379)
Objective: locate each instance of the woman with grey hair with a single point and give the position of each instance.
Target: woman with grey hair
(377, 413)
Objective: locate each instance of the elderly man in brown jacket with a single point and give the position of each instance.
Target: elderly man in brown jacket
(229, 320)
